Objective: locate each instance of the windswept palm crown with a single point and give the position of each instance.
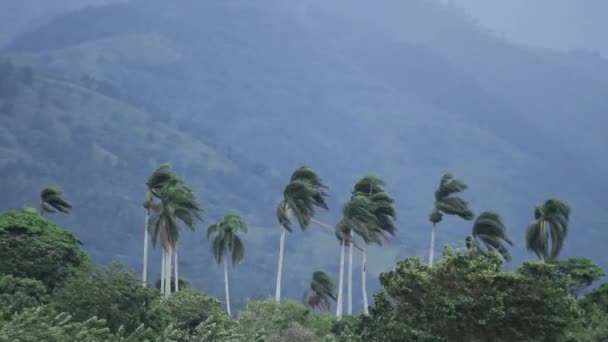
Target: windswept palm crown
(490, 234)
(304, 192)
(447, 203)
(322, 290)
(162, 176)
(52, 200)
(370, 212)
(226, 241)
(545, 237)
(178, 203)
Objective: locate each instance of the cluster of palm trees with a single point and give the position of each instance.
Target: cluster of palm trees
(368, 217)
(176, 203)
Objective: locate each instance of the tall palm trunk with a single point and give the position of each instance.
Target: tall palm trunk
(350, 277)
(162, 272)
(168, 254)
(280, 266)
(363, 279)
(432, 248)
(176, 274)
(226, 286)
(340, 281)
(144, 275)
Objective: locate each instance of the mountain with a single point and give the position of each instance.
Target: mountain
(237, 94)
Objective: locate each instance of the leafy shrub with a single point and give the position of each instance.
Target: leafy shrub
(17, 294)
(110, 293)
(32, 247)
(471, 299)
(188, 308)
(277, 321)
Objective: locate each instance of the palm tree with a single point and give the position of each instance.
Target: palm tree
(370, 214)
(227, 244)
(177, 203)
(304, 192)
(161, 177)
(342, 234)
(489, 232)
(52, 200)
(447, 203)
(321, 292)
(550, 227)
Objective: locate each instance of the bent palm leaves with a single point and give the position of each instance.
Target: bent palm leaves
(489, 234)
(52, 200)
(447, 203)
(227, 245)
(545, 237)
(301, 196)
(321, 292)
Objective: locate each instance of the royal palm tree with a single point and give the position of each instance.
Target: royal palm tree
(375, 229)
(447, 203)
(162, 176)
(177, 203)
(321, 292)
(53, 200)
(342, 234)
(545, 237)
(301, 196)
(489, 234)
(228, 245)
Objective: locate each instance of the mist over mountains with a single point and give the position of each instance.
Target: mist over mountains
(236, 94)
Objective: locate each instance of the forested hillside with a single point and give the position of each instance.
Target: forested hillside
(237, 94)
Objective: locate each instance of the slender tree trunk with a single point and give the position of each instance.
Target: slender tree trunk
(162, 272)
(341, 281)
(226, 286)
(168, 271)
(277, 295)
(176, 274)
(363, 279)
(432, 248)
(350, 277)
(144, 276)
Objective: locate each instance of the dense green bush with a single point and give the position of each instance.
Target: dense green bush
(188, 308)
(280, 321)
(110, 293)
(465, 298)
(17, 294)
(32, 247)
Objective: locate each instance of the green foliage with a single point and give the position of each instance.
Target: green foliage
(545, 237)
(447, 203)
(226, 240)
(489, 231)
(322, 290)
(470, 299)
(32, 247)
(274, 320)
(45, 324)
(18, 294)
(301, 195)
(178, 202)
(582, 272)
(52, 200)
(109, 293)
(188, 308)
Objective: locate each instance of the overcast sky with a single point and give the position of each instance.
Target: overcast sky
(558, 24)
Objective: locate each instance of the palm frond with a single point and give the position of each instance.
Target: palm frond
(449, 186)
(283, 216)
(52, 200)
(551, 225)
(369, 185)
(455, 206)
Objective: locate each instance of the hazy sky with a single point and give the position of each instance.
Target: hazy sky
(559, 24)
